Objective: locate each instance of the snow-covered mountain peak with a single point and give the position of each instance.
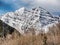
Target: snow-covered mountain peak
(21, 10)
(22, 20)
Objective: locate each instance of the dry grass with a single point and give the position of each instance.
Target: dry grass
(54, 35)
(14, 39)
(51, 38)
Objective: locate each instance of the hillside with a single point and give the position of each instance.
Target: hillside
(30, 27)
(50, 38)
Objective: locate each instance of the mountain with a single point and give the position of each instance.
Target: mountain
(1, 16)
(23, 19)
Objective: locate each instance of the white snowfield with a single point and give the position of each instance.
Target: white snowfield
(23, 19)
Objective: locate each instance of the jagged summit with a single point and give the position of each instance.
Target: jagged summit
(22, 20)
(21, 10)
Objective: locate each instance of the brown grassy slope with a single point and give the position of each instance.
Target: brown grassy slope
(51, 38)
(15, 39)
(54, 35)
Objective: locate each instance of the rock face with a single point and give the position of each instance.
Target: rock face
(5, 29)
(22, 20)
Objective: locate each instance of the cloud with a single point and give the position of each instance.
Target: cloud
(48, 3)
(51, 5)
